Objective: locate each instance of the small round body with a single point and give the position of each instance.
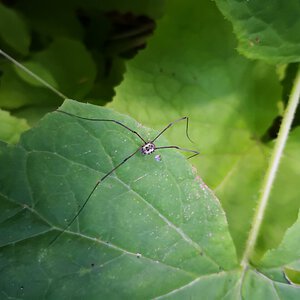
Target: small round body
(148, 148)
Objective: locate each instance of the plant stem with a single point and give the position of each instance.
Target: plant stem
(272, 169)
(36, 77)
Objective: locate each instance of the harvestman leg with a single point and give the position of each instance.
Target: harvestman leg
(91, 193)
(106, 175)
(103, 120)
(171, 124)
(182, 149)
(176, 147)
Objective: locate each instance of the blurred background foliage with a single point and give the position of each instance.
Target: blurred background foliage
(79, 47)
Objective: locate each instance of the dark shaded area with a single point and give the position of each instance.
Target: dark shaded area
(109, 35)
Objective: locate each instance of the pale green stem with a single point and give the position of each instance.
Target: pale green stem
(272, 169)
(36, 77)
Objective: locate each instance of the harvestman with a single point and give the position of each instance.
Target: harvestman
(148, 147)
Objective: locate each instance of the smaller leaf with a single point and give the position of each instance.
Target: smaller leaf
(13, 30)
(11, 127)
(36, 68)
(16, 93)
(67, 64)
(292, 275)
(267, 30)
(287, 252)
(259, 287)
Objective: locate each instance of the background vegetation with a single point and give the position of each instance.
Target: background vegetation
(230, 66)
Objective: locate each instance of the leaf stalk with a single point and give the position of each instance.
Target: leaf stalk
(36, 77)
(272, 169)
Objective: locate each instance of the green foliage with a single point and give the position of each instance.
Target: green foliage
(267, 30)
(71, 76)
(77, 47)
(152, 229)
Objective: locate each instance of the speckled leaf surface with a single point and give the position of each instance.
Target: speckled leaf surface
(149, 229)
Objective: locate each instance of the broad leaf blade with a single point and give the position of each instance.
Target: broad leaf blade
(150, 228)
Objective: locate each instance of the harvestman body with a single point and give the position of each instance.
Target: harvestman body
(147, 148)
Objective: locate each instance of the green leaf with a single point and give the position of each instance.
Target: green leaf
(150, 228)
(36, 68)
(267, 30)
(60, 64)
(287, 252)
(258, 286)
(16, 93)
(191, 68)
(292, 275)
(13, 30)
(11, 127)
(282, 263)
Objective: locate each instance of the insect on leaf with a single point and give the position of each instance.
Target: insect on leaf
(149, 228)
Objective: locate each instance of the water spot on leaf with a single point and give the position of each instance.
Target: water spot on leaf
(157, 157)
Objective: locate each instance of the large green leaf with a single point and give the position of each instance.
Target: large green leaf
(267, 30)
(149, 229)
(190, 67)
